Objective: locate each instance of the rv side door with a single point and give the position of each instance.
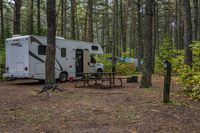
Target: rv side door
(86, 61)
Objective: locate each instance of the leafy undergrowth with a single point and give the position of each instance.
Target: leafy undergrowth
(188, 76)
(122, 68)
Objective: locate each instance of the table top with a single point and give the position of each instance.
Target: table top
(99, 73)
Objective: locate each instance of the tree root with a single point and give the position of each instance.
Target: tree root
(47, 87)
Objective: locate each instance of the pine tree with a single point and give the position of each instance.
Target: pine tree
(147, 70)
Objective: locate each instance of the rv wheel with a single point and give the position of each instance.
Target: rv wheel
(99, 75)
(63, 77)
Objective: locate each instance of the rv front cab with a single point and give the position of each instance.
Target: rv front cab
(95, 67)
(93, 60)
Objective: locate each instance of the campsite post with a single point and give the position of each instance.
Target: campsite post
(167, 80)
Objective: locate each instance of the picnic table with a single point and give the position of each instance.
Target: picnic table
(99, 78)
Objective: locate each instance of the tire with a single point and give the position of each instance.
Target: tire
(99, 71)
(63, 77)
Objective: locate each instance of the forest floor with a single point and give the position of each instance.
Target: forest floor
(129, 109)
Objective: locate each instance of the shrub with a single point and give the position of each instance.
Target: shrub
(176, 57)
(189, 76)
(104, 59)
(125, 68)
(122, 68)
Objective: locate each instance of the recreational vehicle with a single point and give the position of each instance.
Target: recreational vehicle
(26, 55)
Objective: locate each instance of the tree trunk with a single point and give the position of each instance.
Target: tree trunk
(65, 19)
(180, 26)
(30, 29)
(58, 17)
(90, 36)
(117, 38)
(199, 24)
(154, 34)
(77, 24)
(139, 50)
(85, 26)
(132, 31)
(123, 33)
(147, 71)
(38, 18)
(73, 7)
(17, 17)
(2, 22)
(103, 30)
(176, 25)
(166, 16)
(187, 31)
(97, 30)
(107, 28)
(195, 23)
(157, 29)
(114, 34)
(62, 19)
(50, 51)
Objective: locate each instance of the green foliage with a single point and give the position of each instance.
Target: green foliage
(189, 76)
(122, 68)
(125, 68)
(177, 61)
(166, 52)
(104, 59)
(129, 53)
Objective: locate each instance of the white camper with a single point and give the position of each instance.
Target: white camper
(25, 57)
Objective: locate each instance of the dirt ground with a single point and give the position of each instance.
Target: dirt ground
(129, 109)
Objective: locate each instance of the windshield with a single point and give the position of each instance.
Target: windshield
(92, 59)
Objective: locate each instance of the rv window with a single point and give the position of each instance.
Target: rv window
(41, 50)
(94, 47)
(63, 52)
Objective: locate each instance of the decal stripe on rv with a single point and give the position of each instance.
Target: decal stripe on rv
(35, 56)
(59, 65)
(33, 39)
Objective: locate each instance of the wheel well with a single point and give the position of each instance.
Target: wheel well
(100, 69)
(64, 72)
